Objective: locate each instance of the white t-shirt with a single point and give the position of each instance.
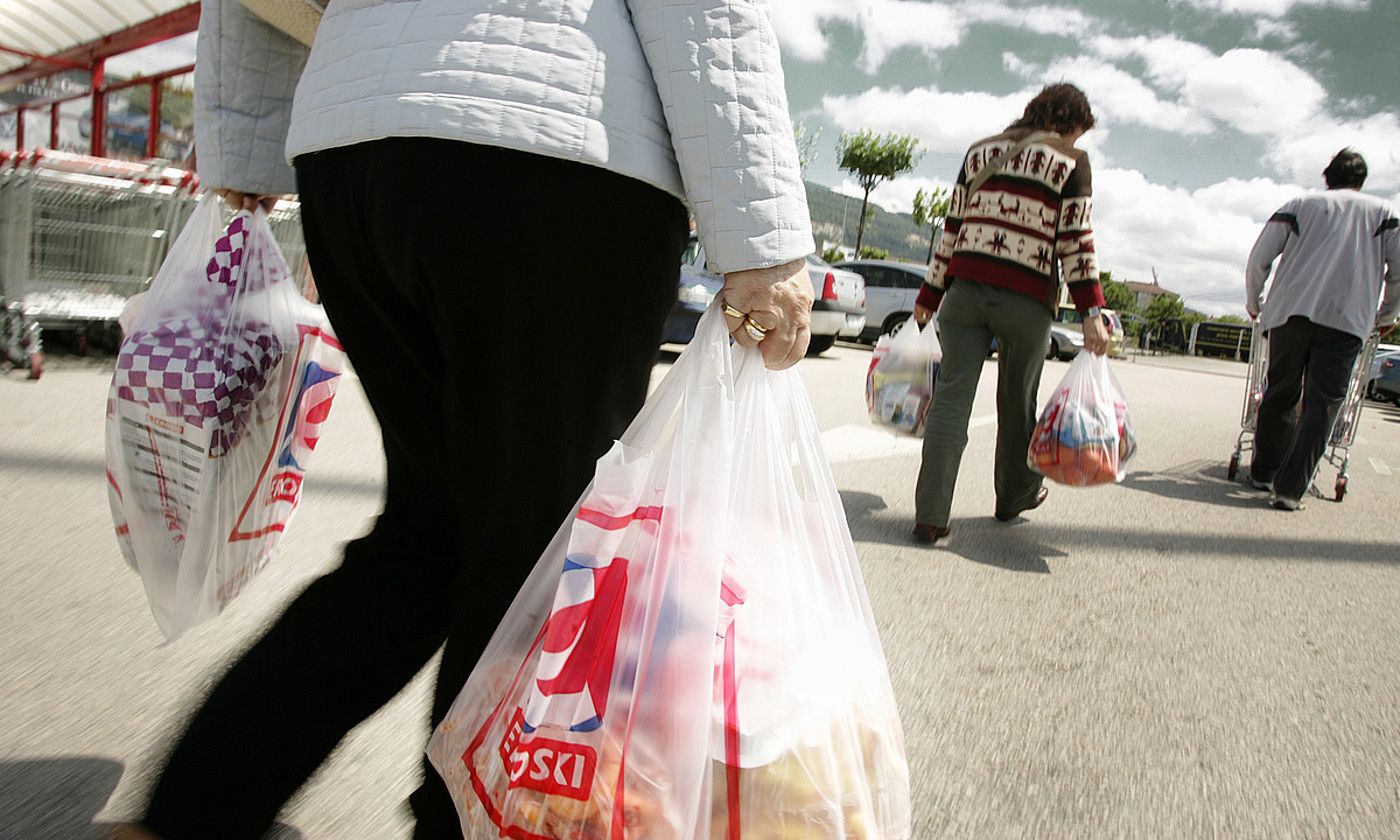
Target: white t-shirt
(1340, 250)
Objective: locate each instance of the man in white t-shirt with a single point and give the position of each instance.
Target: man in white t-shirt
(1338, 280)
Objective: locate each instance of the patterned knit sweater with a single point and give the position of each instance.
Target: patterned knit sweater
(1024, 227)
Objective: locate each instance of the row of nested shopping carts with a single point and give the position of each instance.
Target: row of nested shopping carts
(80, 235)
(1338, 451)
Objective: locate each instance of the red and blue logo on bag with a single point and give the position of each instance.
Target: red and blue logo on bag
(310, 408)
(578, 647)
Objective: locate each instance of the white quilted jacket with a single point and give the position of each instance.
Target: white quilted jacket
(686, 95)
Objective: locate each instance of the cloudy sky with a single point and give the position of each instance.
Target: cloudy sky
(1211, 112)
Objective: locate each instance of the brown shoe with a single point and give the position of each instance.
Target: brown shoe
(1039, 500)
(131, 831)
(929, 534)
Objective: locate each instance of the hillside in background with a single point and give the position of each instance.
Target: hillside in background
(894, 232)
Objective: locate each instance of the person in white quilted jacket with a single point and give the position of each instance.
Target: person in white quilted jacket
(494, 197)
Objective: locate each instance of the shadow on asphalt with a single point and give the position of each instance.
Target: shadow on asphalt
(1196, 481)
(1025, 545)
(57, 799)
(984, 541)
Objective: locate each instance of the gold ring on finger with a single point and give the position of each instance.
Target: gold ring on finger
(755, 332)
(731, 311)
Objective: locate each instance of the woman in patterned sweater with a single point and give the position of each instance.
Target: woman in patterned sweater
(1019, 220)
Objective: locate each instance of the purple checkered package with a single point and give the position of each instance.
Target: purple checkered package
(222, 384)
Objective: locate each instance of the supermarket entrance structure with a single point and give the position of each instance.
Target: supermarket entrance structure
(90, 202)
(48, 46)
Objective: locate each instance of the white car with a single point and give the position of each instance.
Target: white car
(838, 308)
(891, 287)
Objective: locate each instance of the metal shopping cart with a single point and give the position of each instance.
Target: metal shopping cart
(1338, 452)
(80, 235)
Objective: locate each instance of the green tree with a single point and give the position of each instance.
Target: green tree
(1116, 295)
(1164, 308)
(930, 209)
(833, 255)
(875, 158)
(1229, 319)
(870, 252)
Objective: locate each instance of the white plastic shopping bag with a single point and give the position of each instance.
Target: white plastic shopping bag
(900, 382)
(223, 380)
(1085, 434)
(694, 656)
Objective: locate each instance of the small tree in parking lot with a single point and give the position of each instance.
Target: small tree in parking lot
(875, 158)
(930, 209)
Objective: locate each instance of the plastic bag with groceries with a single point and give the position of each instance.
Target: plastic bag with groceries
(224, 377)
(900, 381)
(694, 656)
(1085, 434)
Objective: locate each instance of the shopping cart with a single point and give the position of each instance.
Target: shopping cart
(80, 235)
(1338, 452)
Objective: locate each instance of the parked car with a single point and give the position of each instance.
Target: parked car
(890, 289)
(838, 309)
(697, 289)
(1384, 353)
(1064, 344)
(1386, 385)
(1071, 319)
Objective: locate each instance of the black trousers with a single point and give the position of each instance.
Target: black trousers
(502, 311)
(1310, 362)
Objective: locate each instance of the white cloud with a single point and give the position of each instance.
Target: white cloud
(1269, 8)
(1253, 198)
(886, 25)
(164, 55)
(1197, 240)
(1116, 95)
(889, 25)
(1169, 59)
(1283, 30)
(1256, 91)
(1305, 154)
(1043, 20)
(896, 196)
(944, 122)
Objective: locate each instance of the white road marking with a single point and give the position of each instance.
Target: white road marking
(1379, 466)
(861, 442)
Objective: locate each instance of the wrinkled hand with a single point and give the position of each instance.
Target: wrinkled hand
(246, 201)
(777, 300)
(1252, 313)
(1095, 336)
(922, 315)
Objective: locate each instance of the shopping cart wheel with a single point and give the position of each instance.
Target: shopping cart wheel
(1341, 488)
(1234, 467)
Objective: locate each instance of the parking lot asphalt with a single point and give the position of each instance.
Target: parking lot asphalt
(1167, 657)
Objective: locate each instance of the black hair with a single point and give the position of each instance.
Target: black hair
(1346, 171)
(1061, 108)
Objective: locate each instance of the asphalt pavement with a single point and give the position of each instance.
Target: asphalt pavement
(1168, 657)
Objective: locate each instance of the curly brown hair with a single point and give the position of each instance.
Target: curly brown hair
(1061, 108)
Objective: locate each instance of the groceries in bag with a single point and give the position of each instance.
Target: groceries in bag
(693, 657)
(1085, 434)
(222, 382)
(900, 382)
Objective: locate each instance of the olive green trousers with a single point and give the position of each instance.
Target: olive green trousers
(970, 316)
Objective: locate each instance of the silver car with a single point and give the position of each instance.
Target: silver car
(838, 308)
(890, 289)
